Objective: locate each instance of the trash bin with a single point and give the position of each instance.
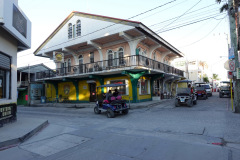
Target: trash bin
(43, 99)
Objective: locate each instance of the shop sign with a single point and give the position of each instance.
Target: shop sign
(230, 75)
(58, 57)
(5, 112)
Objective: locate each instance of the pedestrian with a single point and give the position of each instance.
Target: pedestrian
(115, 94)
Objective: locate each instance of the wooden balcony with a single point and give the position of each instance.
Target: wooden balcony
(136, 62)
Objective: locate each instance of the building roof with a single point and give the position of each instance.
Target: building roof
(33, 68)
(141, 27)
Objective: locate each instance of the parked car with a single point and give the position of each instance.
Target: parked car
(224, 89)
(201, 93)
(207, 87)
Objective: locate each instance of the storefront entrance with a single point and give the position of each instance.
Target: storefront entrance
(92, 88)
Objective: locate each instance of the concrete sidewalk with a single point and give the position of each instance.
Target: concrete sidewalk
(92, 104)
(13, 133)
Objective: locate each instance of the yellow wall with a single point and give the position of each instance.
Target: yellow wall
(84, 93)
(50, 92)
(72, 92)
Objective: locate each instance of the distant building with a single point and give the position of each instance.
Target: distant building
(195, 69)
(92, 50)
(30, 91)
(15, 36)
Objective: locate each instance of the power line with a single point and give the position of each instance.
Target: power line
(163, 10)
(186, 14)
(201, 14)
(189, 23)
(205, 35)
(181, 15)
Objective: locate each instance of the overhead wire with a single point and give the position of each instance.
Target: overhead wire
(181, 15)
(189, 23)
(186, 13)
(205, 35)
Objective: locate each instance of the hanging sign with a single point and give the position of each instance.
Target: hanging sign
(230, 75)
(231, 53)
(58, 57)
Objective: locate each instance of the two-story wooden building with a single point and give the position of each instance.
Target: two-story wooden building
(91, 50)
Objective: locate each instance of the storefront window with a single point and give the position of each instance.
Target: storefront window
(121, 89)
(4, 84)
(144, 86)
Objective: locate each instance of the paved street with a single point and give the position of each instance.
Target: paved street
(206, 131)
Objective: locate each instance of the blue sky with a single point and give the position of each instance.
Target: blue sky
(205, 40)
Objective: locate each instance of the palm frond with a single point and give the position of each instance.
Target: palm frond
(224, 8)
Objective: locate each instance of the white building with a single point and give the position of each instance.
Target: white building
(15, 36)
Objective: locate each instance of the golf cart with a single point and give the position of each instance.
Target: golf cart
(185, 94)
(112, 105)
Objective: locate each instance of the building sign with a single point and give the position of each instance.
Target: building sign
(5, 112)
(58, 57)
(230, 75)
(19, 21)
(232, 65)
(231, 53)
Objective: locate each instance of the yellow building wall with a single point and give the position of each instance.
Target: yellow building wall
(67, 90)
(84, 93)
(50, 92)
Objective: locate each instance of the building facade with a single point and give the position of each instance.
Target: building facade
(92, 50)
(15, 36)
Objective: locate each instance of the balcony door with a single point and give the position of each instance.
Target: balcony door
(80, 61)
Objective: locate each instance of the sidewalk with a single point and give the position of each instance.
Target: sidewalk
(13, 133)
(92, 104)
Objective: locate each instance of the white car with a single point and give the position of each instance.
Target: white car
(208, 89)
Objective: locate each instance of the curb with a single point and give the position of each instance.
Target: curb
(14, 142)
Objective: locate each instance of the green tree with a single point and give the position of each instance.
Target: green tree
(224, 6)
(205, 78)
(215, 77)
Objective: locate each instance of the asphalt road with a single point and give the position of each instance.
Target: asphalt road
(206, 131)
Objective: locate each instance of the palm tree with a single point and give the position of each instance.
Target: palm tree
(215, 76)
(224, 6)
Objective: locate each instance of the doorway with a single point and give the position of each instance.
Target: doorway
(92, 87)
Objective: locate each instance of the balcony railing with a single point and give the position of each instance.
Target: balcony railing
(106, 65)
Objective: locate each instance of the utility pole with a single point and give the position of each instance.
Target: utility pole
(234, 23)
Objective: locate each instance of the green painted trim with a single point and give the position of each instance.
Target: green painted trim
(75, 83)
(134, 77)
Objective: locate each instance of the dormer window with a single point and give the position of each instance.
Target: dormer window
(70, 34)
(78, 28)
